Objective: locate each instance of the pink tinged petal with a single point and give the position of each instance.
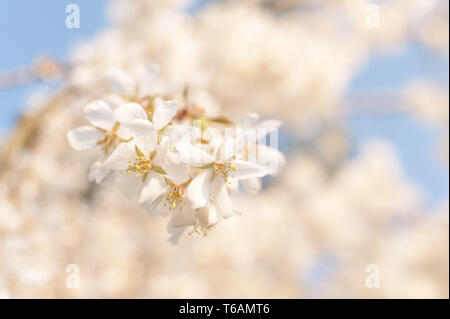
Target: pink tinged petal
(164, 112)
(151, 192)
(129, 185)
(198, 190)
(84, 137)
(193, 155)
(252, 185)
(97, 172)
(176, 170)
(221, 198)
(144, 135)
(244, 170)
(119, 82)
(129, 112)
(118, 160)
(99, 114)
(182, 218)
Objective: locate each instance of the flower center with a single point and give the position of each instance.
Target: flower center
(110, 138)
(175, 196)
(139, 165)
(224, 169)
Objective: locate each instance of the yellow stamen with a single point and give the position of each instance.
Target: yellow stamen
(139, 165)
(175, 196)
(224, 170)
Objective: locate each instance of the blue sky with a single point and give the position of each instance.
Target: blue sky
(32, 28)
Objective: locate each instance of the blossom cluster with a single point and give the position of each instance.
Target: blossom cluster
(170, 155)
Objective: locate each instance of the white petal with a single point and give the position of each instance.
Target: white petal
(152, 191)
(164, 112)
(208, 216)
(252, 185)
(113, 100)
(147, 76)
(84, 137)
(245, 170)
(198, 190)
(182, 218)
(271, 159)
(118, 160)
(177, 171)
(100, 114)
(193, 155)
(182, 133)
(221, 198)
(119, 82)
(128, 112)
(230, 147)
(128, 184)
(161, 152)
(144, 135)
(97, 172)
(233, 186)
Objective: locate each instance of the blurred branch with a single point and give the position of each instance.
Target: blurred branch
(43, 69)
(27, 128)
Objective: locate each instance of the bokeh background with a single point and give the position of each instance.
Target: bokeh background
(365, 112)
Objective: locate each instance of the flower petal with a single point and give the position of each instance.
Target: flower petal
(129, 185)
(177, 171)
(119, 82)
(99, 114)
(208, 216)
(147, 77)
(128, 112)
(144, 135)
(118, 160)
(184, 217)
(269, 158)
(193, 155)
(164, 112)
(97, 172)
(221, 198)
(198, 190)
(84, 137)
(252, 185)
(151, 192)
(161, 152)
(245, 170)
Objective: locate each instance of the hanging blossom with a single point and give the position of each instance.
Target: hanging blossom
(171, 157)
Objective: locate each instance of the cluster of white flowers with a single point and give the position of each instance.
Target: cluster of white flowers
(172, 157)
